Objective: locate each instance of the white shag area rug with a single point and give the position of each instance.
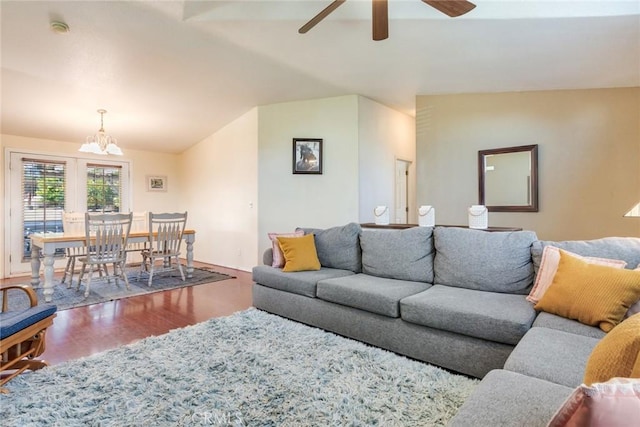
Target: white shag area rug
(248, 369)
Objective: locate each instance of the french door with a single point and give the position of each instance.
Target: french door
(41, 187)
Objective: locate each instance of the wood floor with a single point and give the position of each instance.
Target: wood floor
(83, 331)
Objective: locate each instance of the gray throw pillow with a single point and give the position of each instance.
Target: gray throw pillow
(398, 254)
(338, 247)
(485, 261)
(622, 248)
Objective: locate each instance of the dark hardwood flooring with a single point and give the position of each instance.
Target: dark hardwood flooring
(83, 331)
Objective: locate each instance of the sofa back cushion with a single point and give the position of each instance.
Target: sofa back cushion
(619, 248)
(398, 254)
(338, 247)
(485, 261)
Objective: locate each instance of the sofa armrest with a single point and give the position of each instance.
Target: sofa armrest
(267, 257)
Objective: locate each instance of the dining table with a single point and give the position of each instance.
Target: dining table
(44, 246)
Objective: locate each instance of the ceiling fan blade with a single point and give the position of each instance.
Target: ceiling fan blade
(320, 16)
(380, 19)
(452, 8)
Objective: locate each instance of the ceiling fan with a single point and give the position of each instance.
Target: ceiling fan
(451, 8)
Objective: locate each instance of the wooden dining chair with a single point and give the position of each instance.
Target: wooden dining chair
(165, 239)
(72, 224)
(106, 238)
(139, 224)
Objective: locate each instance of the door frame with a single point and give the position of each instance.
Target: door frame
(76, 168)
(407, 186)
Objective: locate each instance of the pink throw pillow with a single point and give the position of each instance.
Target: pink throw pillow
(615, 403)
(549, 266)
(278, 256)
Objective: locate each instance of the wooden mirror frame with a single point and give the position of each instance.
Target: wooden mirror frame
(533, 150)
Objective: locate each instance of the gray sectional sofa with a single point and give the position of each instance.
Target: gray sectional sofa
(452, 297)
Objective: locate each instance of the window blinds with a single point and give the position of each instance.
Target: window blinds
(43, 189)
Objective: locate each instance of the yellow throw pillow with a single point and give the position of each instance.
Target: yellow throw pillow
(591, 294)
(549, 266)
(299, 253)
(617, 354)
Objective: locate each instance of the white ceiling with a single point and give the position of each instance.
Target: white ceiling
(171, 73)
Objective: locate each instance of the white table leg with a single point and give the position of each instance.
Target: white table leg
(35, 266)
(48, 272)
(190, 239)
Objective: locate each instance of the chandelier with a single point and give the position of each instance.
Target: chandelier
(101, 143)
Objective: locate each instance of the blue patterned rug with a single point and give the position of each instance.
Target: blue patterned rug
(102, 290)
(248, 369)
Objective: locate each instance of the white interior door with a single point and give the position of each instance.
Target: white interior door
(401, 192)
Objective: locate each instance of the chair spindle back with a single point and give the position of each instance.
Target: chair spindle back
(107, 235)
(168, 229)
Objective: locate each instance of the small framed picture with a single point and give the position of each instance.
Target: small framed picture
(156, 183)
(307, 156)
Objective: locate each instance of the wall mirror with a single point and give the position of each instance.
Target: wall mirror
(508, 179)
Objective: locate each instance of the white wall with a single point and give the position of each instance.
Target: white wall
(589, 156)
(220, 191)
(237, 184)
(384, 136)
(142, 163)
(287, 201)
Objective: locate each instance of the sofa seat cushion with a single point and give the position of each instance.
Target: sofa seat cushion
(552, 355)
(553, 321)
(398, 254)
(370, 293)
(503, 318)
(505, 398)
(299, 282)
(493, 262)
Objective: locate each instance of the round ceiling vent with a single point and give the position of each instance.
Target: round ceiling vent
(59, 27)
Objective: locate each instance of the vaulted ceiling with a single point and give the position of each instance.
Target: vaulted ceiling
(170, 73)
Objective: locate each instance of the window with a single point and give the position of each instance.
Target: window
(103, 188)
(43, 190)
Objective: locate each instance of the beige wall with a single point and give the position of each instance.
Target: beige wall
(220, 191)
(143, 163)
(589, 156)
